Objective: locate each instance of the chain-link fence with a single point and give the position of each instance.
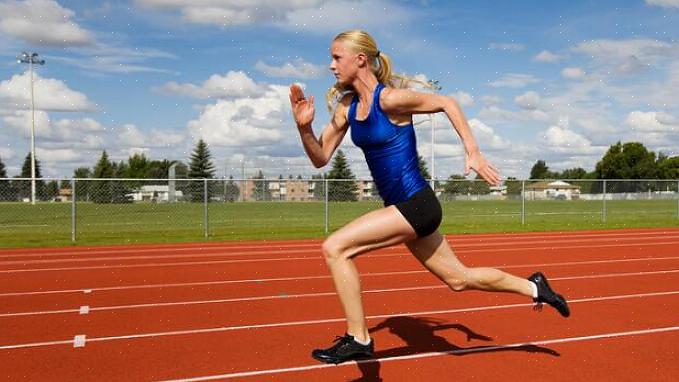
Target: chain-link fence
(97, 211)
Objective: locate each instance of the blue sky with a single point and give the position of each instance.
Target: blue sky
(558, 81)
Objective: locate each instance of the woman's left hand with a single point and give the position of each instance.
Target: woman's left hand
(475, 161)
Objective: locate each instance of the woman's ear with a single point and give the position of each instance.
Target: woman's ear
(362, 60)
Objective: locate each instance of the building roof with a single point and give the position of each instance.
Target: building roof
(547, 185)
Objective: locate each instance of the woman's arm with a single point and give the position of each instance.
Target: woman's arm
(408, 102)
(318, 150)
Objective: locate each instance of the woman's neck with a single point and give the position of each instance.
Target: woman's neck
(364, 85)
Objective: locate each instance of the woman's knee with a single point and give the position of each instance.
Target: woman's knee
(332, 249)
(457, 284)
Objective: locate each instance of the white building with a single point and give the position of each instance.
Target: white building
(552, 190)
(157, 194)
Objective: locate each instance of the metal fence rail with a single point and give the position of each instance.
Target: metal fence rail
(131, 210)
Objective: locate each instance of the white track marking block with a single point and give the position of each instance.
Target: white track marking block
(79, 341)
(87, 291)
(85, 309)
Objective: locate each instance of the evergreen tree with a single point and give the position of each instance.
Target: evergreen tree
(25, 186)
(5, 185)
(100, 190)
(424, 171)
(201, 162)
(200, 167)
(341, 185)
(51, 190)
(3, 171)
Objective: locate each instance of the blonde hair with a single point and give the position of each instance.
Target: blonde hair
(359, 41)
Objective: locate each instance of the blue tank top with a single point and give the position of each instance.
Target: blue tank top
(389, 149)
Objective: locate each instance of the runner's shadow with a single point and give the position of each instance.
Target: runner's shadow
(420, 336)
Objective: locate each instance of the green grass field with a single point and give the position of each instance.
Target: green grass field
(49, 224)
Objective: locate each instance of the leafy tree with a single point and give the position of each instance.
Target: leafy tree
(668, 168)
(541, 171)
(346, 189)
(573, 173)
(82, 187)
(137, 166)
(630, 160)
(627, 161)
(51, 190)
(513, 186)
(457, 185)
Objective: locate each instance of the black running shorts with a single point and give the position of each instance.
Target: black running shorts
(422, 211)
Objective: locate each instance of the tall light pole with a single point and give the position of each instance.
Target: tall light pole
(31, 59)
(434, 85)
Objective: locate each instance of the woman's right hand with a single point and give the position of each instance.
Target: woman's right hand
(302, 109)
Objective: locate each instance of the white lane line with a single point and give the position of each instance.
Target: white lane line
(316, 250)
(79, 341)
(301, 278)
(86, 309)
(332, 320)
(479, 349)
(457, 239)
(317, 258)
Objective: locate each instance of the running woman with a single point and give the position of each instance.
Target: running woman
(380, 117)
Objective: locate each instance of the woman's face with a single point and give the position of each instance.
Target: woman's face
(344, 64)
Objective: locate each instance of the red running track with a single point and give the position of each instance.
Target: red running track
(254, 310)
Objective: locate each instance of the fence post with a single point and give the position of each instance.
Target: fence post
(205, 219)
(677, 199)
(603, 211)
(523, 202)
(326, 206)
(73, 216)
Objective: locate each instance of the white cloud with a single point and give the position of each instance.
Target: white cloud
(512, 47)
(486, 137)
(229, 13)
(315, 16)
(491, 100)
(42, 22)
(652, 122)
(131, 135)
(573, 73)
(21, 121)
(50, 94)
(547, 56)
(528, 101)
(106, 58)
(664, 3)
(6, 153)
(233, 85)
(297, 69)
(245, 121)
(57, 155)
(628, 56)
(514, 80)
(565, 141)
(463, 98)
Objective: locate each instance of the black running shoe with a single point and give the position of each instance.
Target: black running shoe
(345, 349)
(547, 295)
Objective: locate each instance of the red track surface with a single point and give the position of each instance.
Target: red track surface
(253, 311)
